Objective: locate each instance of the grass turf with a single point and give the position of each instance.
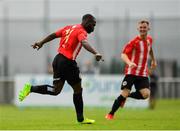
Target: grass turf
(166, 116)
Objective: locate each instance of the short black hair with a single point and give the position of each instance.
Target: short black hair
(88, 17)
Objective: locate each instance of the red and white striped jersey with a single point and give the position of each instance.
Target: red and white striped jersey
(71, 37)
(137, 51)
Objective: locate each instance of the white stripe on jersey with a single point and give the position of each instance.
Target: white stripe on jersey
(132, 59)
(76, 51)
(140, 57)
(148, 43)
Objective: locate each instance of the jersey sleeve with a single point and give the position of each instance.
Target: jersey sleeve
(150, 40)
(82, 35)
(128, 47)
(60, 31)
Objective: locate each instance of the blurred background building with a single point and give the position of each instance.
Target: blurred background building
(23, 22)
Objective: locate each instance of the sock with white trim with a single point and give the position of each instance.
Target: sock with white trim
(43, 89)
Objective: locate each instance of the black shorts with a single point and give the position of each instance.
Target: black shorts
(65, 69)
(139, 82)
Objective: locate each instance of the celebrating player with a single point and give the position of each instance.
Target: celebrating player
(135, 55)
(65, 68)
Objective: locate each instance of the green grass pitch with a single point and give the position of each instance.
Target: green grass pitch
(166, 116)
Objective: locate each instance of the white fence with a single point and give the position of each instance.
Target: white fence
(168, 88)
(97, 89)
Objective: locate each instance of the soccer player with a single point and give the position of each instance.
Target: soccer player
(153, 88)
(135, 55)
(65, 68)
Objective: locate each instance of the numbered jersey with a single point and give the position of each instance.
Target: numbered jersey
(71, 37)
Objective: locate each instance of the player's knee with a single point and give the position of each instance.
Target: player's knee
(125, 93)
(146, 94)
(57, 88)
(78, 90)
(56, 92)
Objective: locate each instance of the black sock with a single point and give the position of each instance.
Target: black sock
(117, 104)
(136, 95)
(78, 103)
(43, 89)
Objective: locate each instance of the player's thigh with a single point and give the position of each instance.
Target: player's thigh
(72, 74)
(58, 75)
(142, 85)
(59, 67)
(127, 84)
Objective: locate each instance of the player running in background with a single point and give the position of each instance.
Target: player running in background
(153, 88)
(65, 68)
(135, 55)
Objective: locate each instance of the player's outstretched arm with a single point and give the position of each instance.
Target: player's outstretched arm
(86, 45)
(38, 45)
(125, 58)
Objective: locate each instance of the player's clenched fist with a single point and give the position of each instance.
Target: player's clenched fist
(99, 57)
(37, 45)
